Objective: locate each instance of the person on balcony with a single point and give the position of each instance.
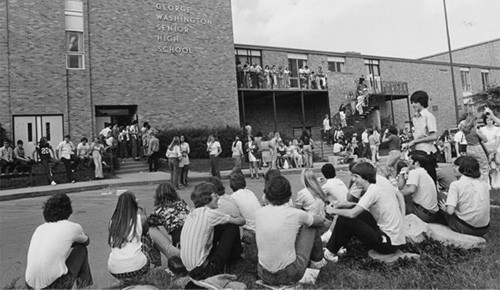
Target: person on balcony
(286, 78)
(280, 77)
(321, 78)
(267, 77)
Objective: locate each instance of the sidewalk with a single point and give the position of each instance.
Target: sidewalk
(130, 179)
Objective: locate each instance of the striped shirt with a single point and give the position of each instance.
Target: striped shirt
(197, 235)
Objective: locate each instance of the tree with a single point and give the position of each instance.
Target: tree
(488, 98)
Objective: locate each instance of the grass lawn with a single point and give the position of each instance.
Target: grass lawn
(439, 267)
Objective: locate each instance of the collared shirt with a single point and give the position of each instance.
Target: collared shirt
(364, 137)
(6, 153)
(425, 124)
(198, 233)
(426, 194)
(65, 149)
(471, 199)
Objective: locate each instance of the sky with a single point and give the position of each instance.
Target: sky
(393, 28)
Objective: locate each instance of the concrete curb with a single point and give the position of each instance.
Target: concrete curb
(38, 191)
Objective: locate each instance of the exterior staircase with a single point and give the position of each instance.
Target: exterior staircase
(130, 165)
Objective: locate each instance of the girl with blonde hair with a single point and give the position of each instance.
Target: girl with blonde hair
(312, 199)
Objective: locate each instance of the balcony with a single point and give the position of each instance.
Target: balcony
(260, 82)
(392, 88)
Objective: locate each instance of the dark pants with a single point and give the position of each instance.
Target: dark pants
(431, 166)
(226, 247)
(69, 166)
(460, 226)
(153, 161)
(124, 149)
(6, 166)
(364, 227)
(23, 166)
(214, 165)
(135, 146)
(328, 137)
(366, 151)
(418, 210)
(48, 164)
(78, 271)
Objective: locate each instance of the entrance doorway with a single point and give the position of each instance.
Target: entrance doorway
(31, 128)
(120, 115)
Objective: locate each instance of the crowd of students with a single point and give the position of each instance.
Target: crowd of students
(289, 235)
(272, 77)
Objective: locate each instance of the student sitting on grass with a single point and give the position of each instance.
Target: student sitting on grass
(312, 199)
(130, 255)
(285, 236)
(210, 239)
(225, 203)
(57, 255)
(245, 200)
(334, 188)
(467, 206)
(375, 220)
(419, 189)
(167, 219)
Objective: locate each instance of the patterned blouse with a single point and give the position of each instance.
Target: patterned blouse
(169, 215)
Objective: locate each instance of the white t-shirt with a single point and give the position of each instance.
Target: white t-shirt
(104, 132)
(247, 204)
(326, 124)
(426, 194)
(309, 203)
(460, 138)
(50, 246)
(337, 148)
(384, 208)
(83, 150)
(65, 149)
(276, 229)
(471, 199)
(491, 135)
(215, 148)
(335, 188)
(380, 181)
(129, 257)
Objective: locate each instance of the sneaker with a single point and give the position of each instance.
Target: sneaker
(319, 264)
(330, 256)
(53, 183)
(326, 236)
(342, 251)
(72, 181)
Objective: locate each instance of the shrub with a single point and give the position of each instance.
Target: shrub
(197, 139)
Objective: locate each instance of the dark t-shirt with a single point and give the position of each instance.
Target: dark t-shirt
(44, 151)
(393, 142)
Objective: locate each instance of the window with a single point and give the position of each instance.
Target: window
(336, 64)
(73, 12)
(485, 78)
(295, 62)
(465, 77)
(373, 74)
(248, 55)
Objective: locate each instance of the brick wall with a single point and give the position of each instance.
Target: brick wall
(171, 89)
(487, 54)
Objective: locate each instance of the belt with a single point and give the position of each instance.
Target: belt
(423, 209)
(471, 227)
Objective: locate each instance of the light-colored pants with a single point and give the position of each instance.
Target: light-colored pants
(478, 153)
(98, 164)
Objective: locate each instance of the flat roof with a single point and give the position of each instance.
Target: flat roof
(354, 54)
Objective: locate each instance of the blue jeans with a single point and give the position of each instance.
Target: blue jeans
(173, 166)
(214, 165)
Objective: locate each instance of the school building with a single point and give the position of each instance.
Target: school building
(69, 66)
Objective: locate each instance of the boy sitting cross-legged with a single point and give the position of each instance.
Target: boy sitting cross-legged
(209, 238)
(284, 237)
